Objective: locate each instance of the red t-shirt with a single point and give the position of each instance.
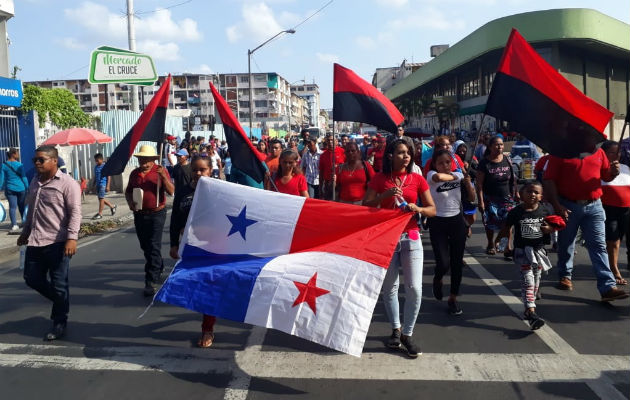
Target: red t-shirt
(378, 158)
(295, 186)
(353, 183)
(412, 186)
(272, 164)
(454, 165)
(541, 164)
(325, 162)
(148, 184)
(578, 179)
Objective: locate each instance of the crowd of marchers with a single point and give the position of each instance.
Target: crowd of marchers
(444, 183)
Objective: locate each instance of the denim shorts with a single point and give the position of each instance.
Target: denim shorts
(100, 192)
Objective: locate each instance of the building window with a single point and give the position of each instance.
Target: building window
(262, 115)
(260, 78)
(243, 79)
(260, 103)
(260, 91)
(243, 115)
(243, 104)
(469, 86)
(230, 80)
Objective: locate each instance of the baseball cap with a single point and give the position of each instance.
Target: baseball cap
(171, 137)
(182, 152)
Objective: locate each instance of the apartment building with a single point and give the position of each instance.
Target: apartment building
(309, 92)
(271, 98)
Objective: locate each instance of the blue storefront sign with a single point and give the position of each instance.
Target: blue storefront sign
(10, 92)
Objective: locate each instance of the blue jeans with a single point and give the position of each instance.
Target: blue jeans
(313, 191)
(50, 261)
(590, 218)
(17, 200)
(408, 256)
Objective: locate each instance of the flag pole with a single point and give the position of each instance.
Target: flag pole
(269, 176)
(471, 148)
(333, 164)
(159, 181)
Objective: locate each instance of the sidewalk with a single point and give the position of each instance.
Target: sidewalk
(89, 207)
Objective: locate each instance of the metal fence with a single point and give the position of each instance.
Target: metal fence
(9, 132)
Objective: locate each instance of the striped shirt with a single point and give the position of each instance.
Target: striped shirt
(310, 166)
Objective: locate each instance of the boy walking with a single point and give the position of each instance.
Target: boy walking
(528, 219)
(101, 185)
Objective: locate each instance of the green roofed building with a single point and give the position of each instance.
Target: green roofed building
(590, 49)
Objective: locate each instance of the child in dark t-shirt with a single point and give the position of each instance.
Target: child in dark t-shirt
(528, 220)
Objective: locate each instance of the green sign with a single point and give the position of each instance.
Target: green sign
(112, 65)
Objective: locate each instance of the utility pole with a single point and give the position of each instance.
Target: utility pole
(131, 34)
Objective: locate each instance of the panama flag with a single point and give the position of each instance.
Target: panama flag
(310, 268)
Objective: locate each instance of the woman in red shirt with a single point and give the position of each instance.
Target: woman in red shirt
(398, 187)
(289, 178)
(353, 176)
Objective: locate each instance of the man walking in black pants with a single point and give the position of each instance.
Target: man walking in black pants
(51, 231)
(151, 182)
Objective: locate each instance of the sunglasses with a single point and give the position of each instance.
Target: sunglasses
(40, 160)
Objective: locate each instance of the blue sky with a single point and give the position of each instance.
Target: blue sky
(54, 39)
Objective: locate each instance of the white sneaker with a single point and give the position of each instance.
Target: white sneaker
(15, 228)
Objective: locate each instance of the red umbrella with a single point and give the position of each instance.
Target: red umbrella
(75, 136)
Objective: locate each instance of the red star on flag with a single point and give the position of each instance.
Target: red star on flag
(309, 292)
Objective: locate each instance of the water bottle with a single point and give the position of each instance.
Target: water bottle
(502, 244)
(22, 256)
(401, 203)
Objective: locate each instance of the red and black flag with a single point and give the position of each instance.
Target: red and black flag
(542, 105)
(356, 100)
(149, 127)
(245, 157)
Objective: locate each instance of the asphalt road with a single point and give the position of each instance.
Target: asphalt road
(486, 353)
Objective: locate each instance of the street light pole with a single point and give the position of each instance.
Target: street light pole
(249, 73)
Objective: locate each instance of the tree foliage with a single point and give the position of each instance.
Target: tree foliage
(59, 105)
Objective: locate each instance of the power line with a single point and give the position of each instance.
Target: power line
(164, 8)
(315, 13)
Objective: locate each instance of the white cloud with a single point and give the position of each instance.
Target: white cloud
(259, 23)
(71, 43)
(159, 50)
(392, 3)
(157, 33)
(204, 69)
(327, 58)
(428, 18)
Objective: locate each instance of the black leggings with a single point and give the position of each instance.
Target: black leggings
(448, 239)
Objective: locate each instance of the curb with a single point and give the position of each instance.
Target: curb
(116, 223)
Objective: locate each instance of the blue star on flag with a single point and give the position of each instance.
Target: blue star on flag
(240, 223)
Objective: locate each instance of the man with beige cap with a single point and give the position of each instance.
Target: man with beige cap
(146, 197)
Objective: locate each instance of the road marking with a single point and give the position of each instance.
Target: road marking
(602, 386)
(468, 367)
(238, 387)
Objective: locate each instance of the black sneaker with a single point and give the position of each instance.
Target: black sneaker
(453, 308)
(412, 349)
(437, 289)
(57, 331)
(394, 339)
(535, 322)
(149, 290)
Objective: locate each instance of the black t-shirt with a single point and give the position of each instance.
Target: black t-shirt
(182, 176)
(179, 216)
(527, 226)
(498, 177)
